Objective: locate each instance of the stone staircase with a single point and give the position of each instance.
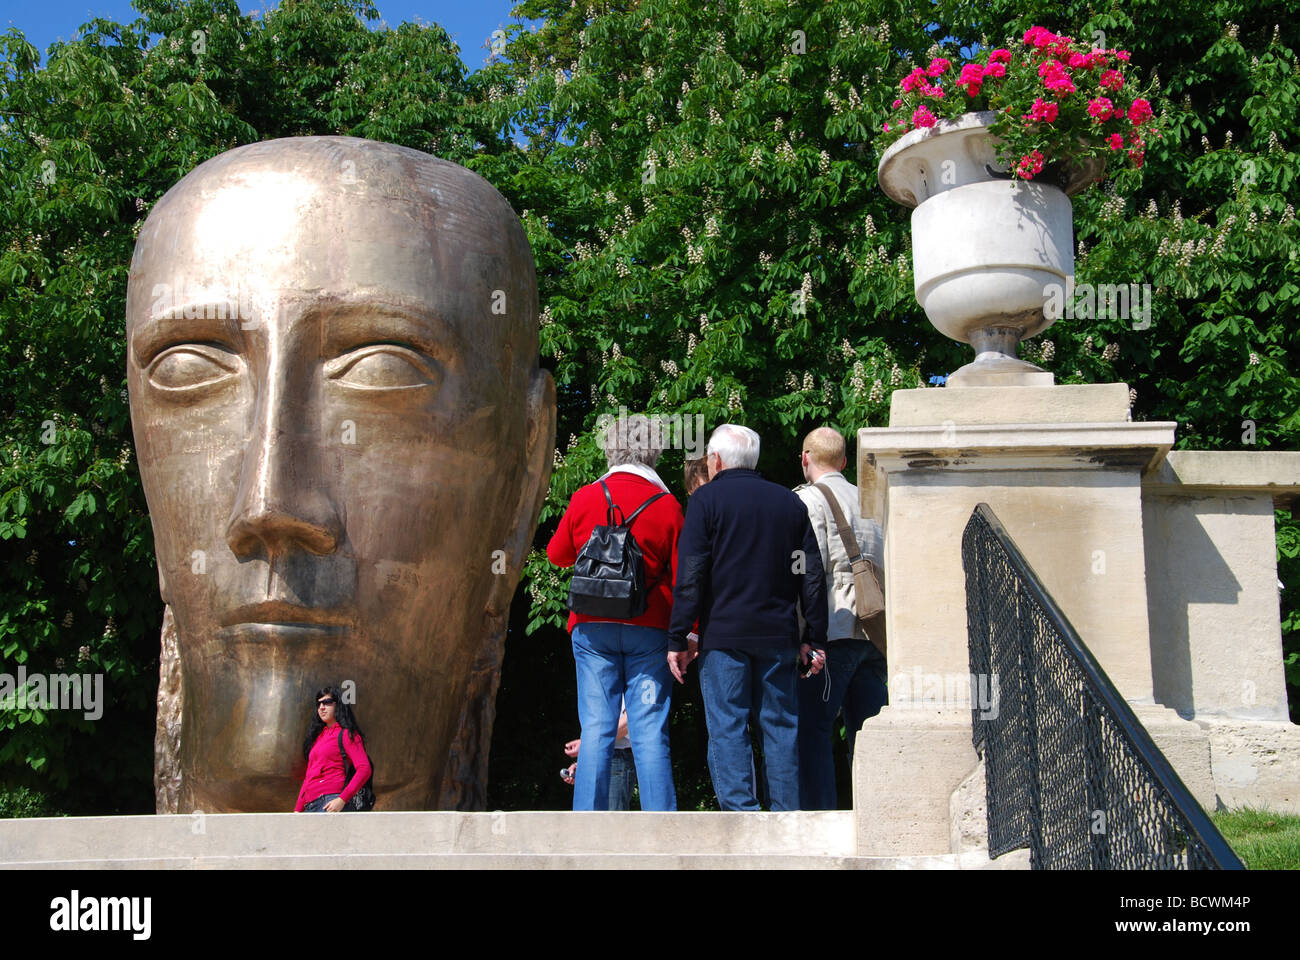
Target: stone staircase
(453, 840)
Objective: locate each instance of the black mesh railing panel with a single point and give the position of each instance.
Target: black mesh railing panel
(1071, 773)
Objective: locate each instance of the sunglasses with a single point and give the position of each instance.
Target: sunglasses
(327, 702)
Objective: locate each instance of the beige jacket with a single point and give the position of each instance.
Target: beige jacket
(842, 620)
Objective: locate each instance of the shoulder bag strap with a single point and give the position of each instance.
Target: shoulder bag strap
(846, 535)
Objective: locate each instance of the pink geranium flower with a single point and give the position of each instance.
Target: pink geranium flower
(913, 80)
(1060, 46)
(1121, 55)
(1000, 55)
(923, 117)
(1140, 112)
(1030, 164)
(1056, 78)
(937, 66)
(896, 104)
(1043, 111)
(1100, 109)
(1078, 60)
(1115, 141)
(995, 69)
(1039, 37)
(1097, 59)
(1112, 80)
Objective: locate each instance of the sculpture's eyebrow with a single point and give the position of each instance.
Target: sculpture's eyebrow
(352, 322)
(213, 321)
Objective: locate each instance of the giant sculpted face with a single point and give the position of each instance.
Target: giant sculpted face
(345, 440)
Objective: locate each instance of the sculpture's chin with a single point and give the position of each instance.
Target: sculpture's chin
(247, 794)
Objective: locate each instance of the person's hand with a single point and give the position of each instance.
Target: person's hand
(570, 773)
(335, 805)
(816, 657)
(571, 748)
(678, 661)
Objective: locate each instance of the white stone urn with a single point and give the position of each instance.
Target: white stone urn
(986, 249)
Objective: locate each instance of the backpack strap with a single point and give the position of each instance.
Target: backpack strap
(637, 511)
(610, 507)
(347, 761)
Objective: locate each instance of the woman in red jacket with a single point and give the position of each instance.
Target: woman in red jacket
(325, 788)
(625, 661)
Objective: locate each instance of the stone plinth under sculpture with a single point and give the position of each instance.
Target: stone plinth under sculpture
(344, 440)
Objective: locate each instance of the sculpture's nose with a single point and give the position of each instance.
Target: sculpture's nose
(282, 504)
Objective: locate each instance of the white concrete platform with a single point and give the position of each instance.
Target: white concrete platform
(452, 840)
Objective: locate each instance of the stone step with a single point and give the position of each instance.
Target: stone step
(489, 861)
(452, 840)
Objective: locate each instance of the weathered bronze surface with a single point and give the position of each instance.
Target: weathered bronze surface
(345, 441)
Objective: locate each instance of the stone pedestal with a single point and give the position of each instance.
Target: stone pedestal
(1062, 468)
(1216, 647)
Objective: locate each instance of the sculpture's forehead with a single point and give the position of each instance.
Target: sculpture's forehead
(282, 229)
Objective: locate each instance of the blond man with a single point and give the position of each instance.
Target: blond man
(854, 676)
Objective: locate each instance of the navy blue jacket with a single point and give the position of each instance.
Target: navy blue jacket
(746, 556)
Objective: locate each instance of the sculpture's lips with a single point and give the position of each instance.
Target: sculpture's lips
(282, 613)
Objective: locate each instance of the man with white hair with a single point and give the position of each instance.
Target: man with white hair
(747, 557)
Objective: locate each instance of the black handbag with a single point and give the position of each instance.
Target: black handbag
(609, 574)
(363, 799)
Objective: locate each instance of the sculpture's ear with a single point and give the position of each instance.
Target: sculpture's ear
(532, 489)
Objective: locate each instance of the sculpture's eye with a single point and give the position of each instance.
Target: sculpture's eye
(190, 365)
(382, 366)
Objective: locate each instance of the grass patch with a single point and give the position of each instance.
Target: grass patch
(1264, 839)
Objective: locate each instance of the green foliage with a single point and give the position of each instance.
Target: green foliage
(23, 802)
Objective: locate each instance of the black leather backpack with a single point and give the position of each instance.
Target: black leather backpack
(609, 574)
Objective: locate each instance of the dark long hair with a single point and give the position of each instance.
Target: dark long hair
(342, 713)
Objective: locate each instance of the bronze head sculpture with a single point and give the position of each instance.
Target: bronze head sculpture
(345, 440)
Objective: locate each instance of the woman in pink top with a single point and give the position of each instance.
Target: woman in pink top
(325, 787)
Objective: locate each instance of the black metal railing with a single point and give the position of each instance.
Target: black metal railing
(1071, 773)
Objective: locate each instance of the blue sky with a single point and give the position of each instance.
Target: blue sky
(470, 22)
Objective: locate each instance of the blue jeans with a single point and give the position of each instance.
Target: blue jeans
(620, 661)
(857, 683)
(622, 778)
(732, 683)
(318, 805)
